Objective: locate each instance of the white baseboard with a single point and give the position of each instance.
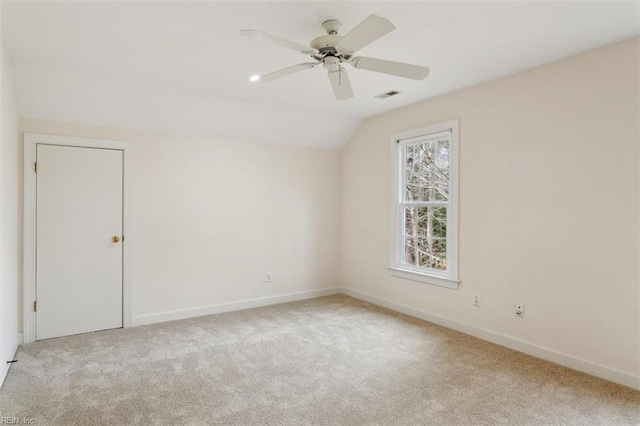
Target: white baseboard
(232, 306)
(5, 367)
(565, 360)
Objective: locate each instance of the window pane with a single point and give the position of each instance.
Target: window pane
(425, 237)
(427, 171)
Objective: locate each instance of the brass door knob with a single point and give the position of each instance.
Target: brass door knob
(115, 238)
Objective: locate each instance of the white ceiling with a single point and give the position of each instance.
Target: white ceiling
(195, 49)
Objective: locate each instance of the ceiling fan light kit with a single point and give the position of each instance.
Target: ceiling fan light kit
(332, 51)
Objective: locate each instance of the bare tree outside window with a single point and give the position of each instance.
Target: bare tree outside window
(425, 199)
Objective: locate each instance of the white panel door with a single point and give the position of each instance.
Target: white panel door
(78, 263)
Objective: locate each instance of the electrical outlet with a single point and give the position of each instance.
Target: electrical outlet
(476, 299)
(520, 310)
(267, 277)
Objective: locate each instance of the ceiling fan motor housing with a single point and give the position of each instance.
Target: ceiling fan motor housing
(325, 41)
(326, 46)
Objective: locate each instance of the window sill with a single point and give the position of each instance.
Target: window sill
(424, 277)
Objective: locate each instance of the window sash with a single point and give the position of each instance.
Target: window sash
(418, 140)
(403, 234)
(403, 204)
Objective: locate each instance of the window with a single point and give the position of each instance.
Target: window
(424, 214)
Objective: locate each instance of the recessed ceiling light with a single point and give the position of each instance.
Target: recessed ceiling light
(254, 78)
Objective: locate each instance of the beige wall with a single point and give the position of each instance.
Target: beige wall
(211, 217)
(548, 207)
(10, 242)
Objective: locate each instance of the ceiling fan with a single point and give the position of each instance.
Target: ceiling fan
(333, 50)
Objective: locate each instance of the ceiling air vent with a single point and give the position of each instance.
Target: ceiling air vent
(388, 94)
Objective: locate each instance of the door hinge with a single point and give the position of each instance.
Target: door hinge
(35, 306)
(35, 167)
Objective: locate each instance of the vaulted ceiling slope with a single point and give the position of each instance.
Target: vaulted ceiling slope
(183, 67)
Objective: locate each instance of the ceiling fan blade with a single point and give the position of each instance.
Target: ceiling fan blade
(415, 72)
(366, 32)
(286, 71)
(279, 41)
(340, 84)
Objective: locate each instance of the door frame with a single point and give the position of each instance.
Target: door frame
(31, 140)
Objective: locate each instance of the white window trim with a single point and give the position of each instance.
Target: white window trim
(450, 279)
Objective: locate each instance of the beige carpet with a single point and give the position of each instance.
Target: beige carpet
(327, 361)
